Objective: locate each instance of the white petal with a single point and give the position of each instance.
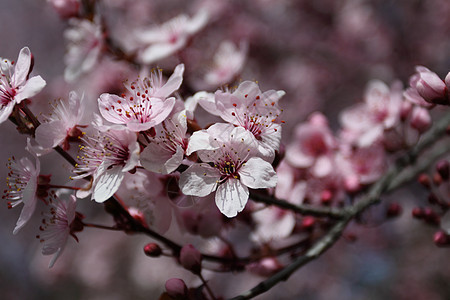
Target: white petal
(199, 180)
(107, 183)
(172, 84)
(22, 68)
(51, 134)
(33, 86)
(258, 174)
(231, 197)
(6, 111)
(200, 140)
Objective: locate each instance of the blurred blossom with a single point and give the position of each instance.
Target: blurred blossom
(162, 41)
(84, 45)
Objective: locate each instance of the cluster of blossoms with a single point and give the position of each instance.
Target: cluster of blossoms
(143, 150)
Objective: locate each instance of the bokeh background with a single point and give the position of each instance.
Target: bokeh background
(322, 53)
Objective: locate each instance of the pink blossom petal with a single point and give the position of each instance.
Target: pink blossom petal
(33, 86)
(29, 201)
(258, 174)
(172, 84)
(231, 197)
(199, 180)
(50, 135)
(107, 183)
(6, 111)
(22, 68)
(104, 103)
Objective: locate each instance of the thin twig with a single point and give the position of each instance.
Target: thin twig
(318, 211)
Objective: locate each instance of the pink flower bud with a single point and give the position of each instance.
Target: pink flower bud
(176, 288)
(191, 259)
(394, 210)
(424, 180)
(417, 213)
(66, 8)
(431, 87)
(308, 222)
(443, 168)
(152, 250)
(420, 119)
(441, 239)
(265, 267)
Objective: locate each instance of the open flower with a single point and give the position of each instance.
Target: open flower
(164, 40)
(22, 182)
(61, 125)
(146, 105)
(313, 146)
(255, 111)
(56, 227)
(228, 62)
(84, 45)
(14, 83)
(107, 157)
(166, 149)
(230, 166)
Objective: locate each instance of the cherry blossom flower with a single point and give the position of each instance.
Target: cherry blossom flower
(62, 125)
(228, 62)
(14, 83)
(255, 111)
(272, 223)
(366, 122)
(145, 191)
(107, 158)
(365, 165)
(84, 45)
(22, 182)
(146, 105)
(313, 146)
(57, 226)
(234, 167)
(166, 149)
(164, 40)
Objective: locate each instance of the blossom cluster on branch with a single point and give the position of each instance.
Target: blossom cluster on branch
(140, 148)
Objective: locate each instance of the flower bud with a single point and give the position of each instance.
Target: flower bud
(424, 180)
(417, 213)
(394, 210)
(176, 288)
(191, 259)
(420, 119)
(152, 250)
(443, 168)
(431, 87)
(441, 239)
(308, 222)
(66, 8)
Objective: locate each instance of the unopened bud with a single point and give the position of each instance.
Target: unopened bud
(418, 213)
(393, 210)
(66, 8)
(437, 179)
(326, 196)
(152, 250)
(308, 222)
(424, 180)
(191, 259)
(441, 239)
(176, 288)
(431, 87)
(420, 119)
(443, 168)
